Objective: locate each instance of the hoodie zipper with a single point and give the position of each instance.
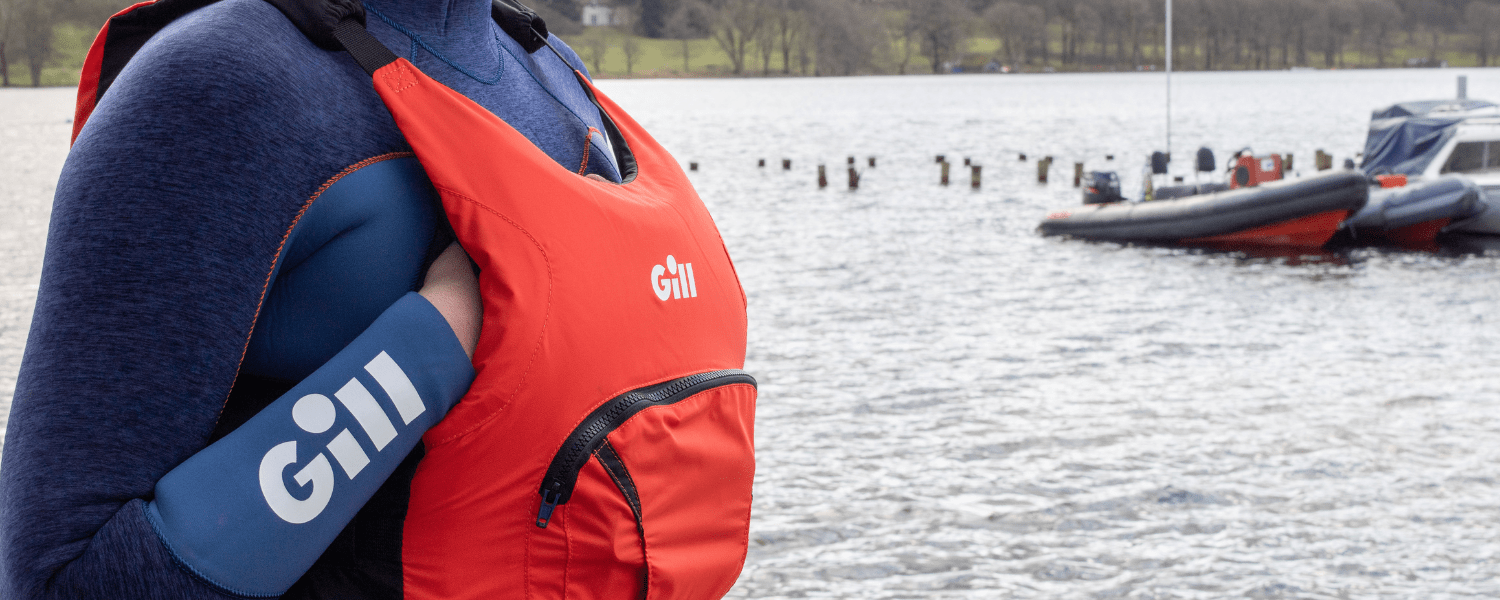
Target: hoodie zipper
(562, 474)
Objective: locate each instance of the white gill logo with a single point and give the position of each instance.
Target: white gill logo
(681, 285)
(315, 414)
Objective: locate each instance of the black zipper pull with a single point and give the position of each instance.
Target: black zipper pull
(549, 502)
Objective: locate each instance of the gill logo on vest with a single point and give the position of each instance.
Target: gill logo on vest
(681, 283)
(315, 414)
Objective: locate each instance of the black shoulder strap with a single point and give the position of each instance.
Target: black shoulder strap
(366, 50)
(317, 20)
(520, 23)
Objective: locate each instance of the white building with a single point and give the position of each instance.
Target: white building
(596, 14)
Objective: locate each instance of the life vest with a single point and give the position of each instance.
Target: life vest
(606, 446)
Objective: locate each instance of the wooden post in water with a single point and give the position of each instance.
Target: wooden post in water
(974, 176)
(693, 166)
(967, 163)
(1021, 157)
(762, 163)
(1041, 170)
(1286, 166)
(1077, 174)
(851, 160)
(786, 164)
(872, 161)
(941, 159)
(853, 178)
(1324, 160)
(944, 179)
(822, 176)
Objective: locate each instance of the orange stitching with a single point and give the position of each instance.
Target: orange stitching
(541, 337)
(588, 142)
(279, 247)
(401, 74)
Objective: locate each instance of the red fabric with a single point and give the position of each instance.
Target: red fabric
(695, 472)
(1391, 181)
(88, 80)
(571, 320)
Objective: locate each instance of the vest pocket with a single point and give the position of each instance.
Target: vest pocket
(651, 492)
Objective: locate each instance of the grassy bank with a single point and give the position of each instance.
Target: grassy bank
(71, 45)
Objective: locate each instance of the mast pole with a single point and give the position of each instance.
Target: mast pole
(1169, 80)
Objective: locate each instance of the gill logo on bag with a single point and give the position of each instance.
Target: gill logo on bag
(679, 285)
(315, 414)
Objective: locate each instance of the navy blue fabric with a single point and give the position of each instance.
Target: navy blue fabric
(168, 220)
(354, 243)
(1406, 145)
(1405, 137)
(216, 511)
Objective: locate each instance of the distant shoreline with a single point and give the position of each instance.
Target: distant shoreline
(53, 84)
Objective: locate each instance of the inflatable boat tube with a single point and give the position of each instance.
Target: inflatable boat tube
(1486, 221)
(1182, 191)
(1445, 198)
(1303, 212)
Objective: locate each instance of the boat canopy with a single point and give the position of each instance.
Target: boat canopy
(1405, 137)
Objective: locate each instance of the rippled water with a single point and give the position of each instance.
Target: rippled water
(954, 407)
(35, 125)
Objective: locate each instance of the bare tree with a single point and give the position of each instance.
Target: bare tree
(943, 29)
(625, 22)
(594, 44)
(1482, 19)
(736, 26)
(632, 49)
(901, 28)
(691, 20)
(1378, 20)
(1087, 24)
(790, 24)
(37, 19)
(765, 41)
(7, 21)
(843, 36)
(1017, 25)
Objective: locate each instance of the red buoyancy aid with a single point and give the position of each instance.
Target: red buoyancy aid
(606, 447)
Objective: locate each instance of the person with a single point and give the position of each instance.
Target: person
(235, 239)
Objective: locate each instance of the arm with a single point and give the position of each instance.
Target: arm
(250, 513)
(152, 281)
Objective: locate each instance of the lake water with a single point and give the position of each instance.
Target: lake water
(954, 407)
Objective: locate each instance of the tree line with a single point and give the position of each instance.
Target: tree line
(847, 37)
(27, 29)
(842, 37)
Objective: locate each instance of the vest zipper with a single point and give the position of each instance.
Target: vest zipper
(562, 474)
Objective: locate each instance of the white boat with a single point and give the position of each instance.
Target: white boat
(1433, 139)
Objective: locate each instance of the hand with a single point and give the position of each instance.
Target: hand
(452, 288)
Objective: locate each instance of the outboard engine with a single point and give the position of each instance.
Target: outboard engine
(1102, 187)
